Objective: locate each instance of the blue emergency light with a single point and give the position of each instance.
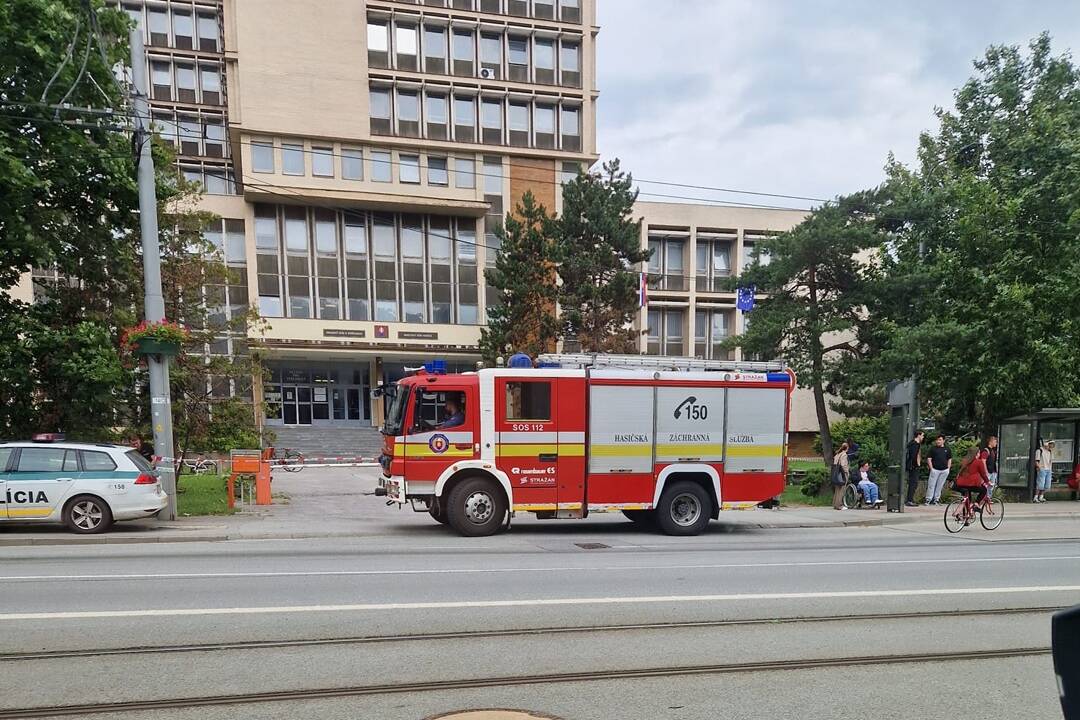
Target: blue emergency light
(520, 360)
(435, 367)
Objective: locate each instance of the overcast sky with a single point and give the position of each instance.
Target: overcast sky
(801, 97)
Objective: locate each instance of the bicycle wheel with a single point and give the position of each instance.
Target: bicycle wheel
(992, 514)
(851, 497)
(954, 516)
(293, 462)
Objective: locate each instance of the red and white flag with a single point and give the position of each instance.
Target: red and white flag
(643, 290)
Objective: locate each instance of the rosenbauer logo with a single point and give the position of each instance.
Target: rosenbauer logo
(438, 444)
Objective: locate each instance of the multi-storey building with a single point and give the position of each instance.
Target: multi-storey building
(361, 154)
(697, 249)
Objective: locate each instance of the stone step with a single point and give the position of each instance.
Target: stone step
(329, 441)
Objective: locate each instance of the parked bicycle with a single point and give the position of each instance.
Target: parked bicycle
(961, 513)
(201, 466)
(287, 459)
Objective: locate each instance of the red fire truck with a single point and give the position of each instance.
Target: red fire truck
(665, 441)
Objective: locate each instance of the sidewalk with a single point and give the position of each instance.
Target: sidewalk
(339, 503)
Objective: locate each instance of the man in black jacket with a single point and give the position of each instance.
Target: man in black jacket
(912, 463)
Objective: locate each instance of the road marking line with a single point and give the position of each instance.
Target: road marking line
(469, 571)
(535, 602)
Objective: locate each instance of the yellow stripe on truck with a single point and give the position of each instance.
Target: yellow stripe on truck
(530, 449)
(755, 450)
(423, 451)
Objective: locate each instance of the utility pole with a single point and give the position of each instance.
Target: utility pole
(153, 301)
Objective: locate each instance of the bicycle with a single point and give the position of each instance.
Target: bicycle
(287, 459)
(961, 513)
(201, 466)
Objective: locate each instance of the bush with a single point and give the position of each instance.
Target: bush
(871, 434)
(815, 479)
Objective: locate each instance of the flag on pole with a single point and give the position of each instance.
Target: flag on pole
(744, 298)
(643, 289)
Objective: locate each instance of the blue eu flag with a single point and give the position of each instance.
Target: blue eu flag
(744, 298)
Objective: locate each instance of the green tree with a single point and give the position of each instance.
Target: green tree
(977, 294)
(811, 291)
(598, 246)
(64, 192)
(524, 276)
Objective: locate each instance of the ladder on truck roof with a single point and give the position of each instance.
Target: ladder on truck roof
(657, 362)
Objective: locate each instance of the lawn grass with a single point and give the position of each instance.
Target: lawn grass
(792, 496)
(202, 495)
(805, 464)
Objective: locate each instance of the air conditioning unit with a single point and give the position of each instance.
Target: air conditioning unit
(487, 74)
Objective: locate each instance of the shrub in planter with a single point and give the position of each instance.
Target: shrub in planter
(159, 338)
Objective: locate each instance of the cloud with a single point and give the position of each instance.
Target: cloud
(790, 97)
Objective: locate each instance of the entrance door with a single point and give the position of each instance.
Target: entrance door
(303, 405)
(353, 404)
(296, 404)
(527, 448)
(288, 404)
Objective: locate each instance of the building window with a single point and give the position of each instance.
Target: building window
(292, 159)
(352, 164)
(434, 49)
(491, 121)
(262, 157)
(408, 112)
(464, 119)
(158, 20)
(544, 126)
(570, 64)
(322, 161)
(385, 248)
(570, 10)
(519, 8)
(544, 60)
(468, 287)
(381, 168)
(544, 9)
(209, 38)
(517, 49)
(437, 171)
(753, 252)
(210, 79)
(493, 196)
(409, 168)
(161, 80)
(378, 38)
(518, 123)
(571, 128)
(183, 30)
(666, 267)
(380, 111)
(710, 330)
(214, 138)
(185, 83)
(405, 46)
(664, 335)
(464, 4)
(437, 116)
(464, 172)
(713, 263)
(491, 52)
(464, 52)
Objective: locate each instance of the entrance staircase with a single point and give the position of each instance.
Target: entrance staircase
(314, 442)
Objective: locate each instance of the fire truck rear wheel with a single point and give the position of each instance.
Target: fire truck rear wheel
(476, 507)
(685, 509)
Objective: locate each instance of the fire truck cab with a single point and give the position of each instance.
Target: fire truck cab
(666, 441)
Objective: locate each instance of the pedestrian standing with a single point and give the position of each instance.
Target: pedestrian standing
(1044, 463)
(912, 463)
(939, 461)
(992, 460)
(840, 473)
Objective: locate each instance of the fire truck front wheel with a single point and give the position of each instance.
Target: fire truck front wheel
(476, 507)
(684, 509)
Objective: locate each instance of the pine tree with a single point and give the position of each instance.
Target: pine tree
(524, 274)
(598, 246)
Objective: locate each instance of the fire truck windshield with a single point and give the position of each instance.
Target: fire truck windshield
(395, 416)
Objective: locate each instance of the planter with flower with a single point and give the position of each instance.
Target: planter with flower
(157, 338)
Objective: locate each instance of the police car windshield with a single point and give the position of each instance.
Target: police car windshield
(395, 416)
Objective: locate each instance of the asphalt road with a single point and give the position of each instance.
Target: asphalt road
(809, 623)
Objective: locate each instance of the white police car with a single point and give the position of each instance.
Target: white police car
(86, 486)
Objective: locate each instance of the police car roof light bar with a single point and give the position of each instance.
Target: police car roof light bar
(657, 362)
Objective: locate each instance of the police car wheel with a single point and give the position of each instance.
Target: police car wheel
(476, 507)
(685, 509)
(87, 514)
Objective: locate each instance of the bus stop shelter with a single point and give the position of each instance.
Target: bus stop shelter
(1019, 437)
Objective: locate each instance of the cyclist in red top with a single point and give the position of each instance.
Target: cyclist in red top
(973, 475)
